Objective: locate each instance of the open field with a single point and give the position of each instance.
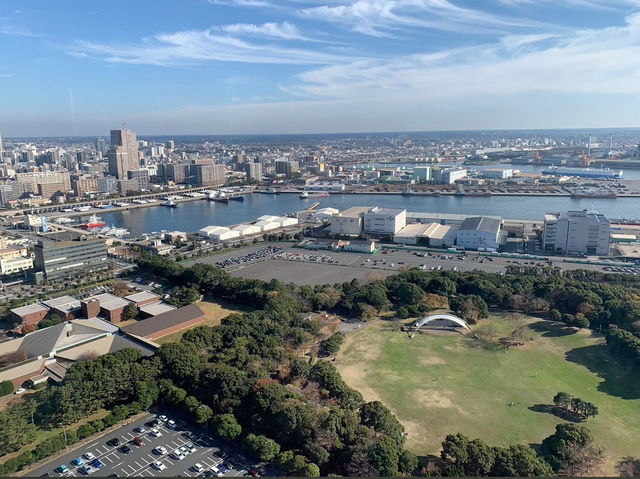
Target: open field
(441, 384)
(214, 312)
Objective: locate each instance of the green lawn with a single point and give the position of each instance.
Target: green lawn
(440, 384)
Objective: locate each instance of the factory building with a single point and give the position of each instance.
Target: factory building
(479, 233)
(422, 173)
(448, 176)
(349, 221)
(433, 235)
(384, 221)
(576, 233)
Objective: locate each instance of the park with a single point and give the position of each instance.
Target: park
(444, 383)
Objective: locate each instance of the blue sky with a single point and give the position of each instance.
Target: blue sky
(294, 66)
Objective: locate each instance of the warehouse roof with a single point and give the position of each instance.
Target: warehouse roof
(29, 309)
(481, 223)
(163, 321)
(142, 296)
(154, 309)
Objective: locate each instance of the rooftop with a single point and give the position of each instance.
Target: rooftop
(142, 296)
(29, 309)
(156, 324)
(154, 309)
(63, 303)
(481, 223)
(387, 211)
(110, 302)
(354, 211)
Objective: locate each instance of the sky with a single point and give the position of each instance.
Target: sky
(316, 66)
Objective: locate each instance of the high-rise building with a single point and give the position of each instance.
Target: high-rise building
(123, 155)
(286, 167)
(29, 182)
(141, 177)
(107, 184)
(101, 146)
(81, 156)
(170, 145)
(85, 185)
(576, 233)
(1, 148)
(9, 192)
(210, 175)
(253, 171)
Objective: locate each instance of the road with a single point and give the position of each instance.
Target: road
(138, 461)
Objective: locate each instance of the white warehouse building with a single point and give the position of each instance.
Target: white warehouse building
(247, 230)
(219, 233)
(349, 221)
(385, 220)
(479, 232)
(266, 225)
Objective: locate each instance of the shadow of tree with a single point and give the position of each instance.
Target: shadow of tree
(551, 409)
(552, 329)
(629, 467)
(619, 378)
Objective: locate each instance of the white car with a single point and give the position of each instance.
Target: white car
(177, 454)
(171, 423)
(217, 471)
(88, 456)
(158, 465)
(160, 450)
(190, 447)
(162, 418)
(155, 433)
(19, 391)
(197, 467)
(184, 450)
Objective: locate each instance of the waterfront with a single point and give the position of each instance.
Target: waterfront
(193, 215)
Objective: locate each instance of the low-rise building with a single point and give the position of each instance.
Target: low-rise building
(15, 265)
(247, 230)
(384, 221)
(30, 313)
(107, 305)
(448, 176)
(349, 222)
(66, 306)
(166, 323)
(354, 246)
(479, 233)
(61, 255)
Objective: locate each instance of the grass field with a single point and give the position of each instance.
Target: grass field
(441, 384)
(214, 312)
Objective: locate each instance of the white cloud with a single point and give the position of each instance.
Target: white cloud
(384, 17)
(605, 61)
(201, 46)
(284, 30)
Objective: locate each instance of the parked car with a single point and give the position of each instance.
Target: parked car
(88, 456)
(125, 449)
(63, 469)
(115, 442)
(19, 391)
(153, 423)
(160, 450)
(171, 423)
(140, 430)
(197, 467)
(155, 433)
(97, 464)
(137, 441)
(77, 461)
(177, 454)
(190, 447)
(157, 465)
(88, 470)
(162, 418)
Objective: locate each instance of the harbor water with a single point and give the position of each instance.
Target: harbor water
(192, 215)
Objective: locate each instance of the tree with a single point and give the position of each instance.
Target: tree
(581, 460)
(562, 400)
(183, 296)
(131, 311)
(310, 470)
(376, 415)
(203, 414)
(226, 426)
(332, 344)
(6, 387)
(384, 456)
(119, 288)
(556, 449)
(261, 447)
(50, 320)
(407, 462)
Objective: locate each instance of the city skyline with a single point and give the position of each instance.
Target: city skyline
(259, 67)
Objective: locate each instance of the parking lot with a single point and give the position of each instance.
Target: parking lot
(307, 267)
(198, 448)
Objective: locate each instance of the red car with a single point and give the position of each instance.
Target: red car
(138, 442)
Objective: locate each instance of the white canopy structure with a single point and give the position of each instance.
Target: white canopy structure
(438, 317)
